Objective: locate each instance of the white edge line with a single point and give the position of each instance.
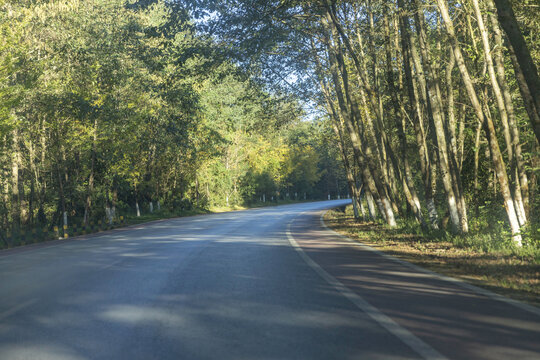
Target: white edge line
(416, 344)
(459, 282)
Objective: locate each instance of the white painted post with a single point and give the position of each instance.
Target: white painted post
(137, 207)
(151, 207)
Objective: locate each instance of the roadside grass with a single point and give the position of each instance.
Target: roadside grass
(488, 260)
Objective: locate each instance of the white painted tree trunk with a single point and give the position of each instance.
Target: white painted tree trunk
(432, 214)
(109, 215)
(489, 127)
(362, 209)
(151, 207)
(158, 206)
(137, 208)
(65, 219)
(264, 198)
(371, 206)
(390, 219)
(514, 222)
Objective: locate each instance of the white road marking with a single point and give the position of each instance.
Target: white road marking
(420, 347)
(463, 284)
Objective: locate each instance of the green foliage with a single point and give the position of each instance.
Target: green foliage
(108, 104)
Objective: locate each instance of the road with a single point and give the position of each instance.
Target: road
(268, 283)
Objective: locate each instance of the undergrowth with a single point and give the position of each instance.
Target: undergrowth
(485, 257)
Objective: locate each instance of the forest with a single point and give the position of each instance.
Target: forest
(114, 108)
(419, 110)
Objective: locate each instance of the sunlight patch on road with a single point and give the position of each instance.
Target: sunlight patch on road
(45, 351)
(131, 314)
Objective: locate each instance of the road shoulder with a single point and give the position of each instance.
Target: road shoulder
(458, 321)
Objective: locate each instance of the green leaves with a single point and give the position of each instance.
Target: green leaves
(116, 102)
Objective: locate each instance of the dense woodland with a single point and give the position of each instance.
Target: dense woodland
(420, 109)
(435, 103)
(114, 108)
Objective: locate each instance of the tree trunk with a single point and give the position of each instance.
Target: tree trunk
(476, 164)
(90, 193)
(374, 177)
(114, 201)
(521, 183)
(451, 105)
(417, 101)
(488, 125)
(406, 177)
(367, 175)
(502, 106)
(15, 183)
(524, 63)
(450, 180)
(61, 195)
(336, 126)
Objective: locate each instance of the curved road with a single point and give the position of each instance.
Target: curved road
(269, 283)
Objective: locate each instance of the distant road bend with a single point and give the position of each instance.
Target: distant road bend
(268, 283)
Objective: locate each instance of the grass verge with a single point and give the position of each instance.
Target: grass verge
(511, 272)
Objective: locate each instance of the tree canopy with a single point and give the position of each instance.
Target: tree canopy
(422, 109)
(109, 108)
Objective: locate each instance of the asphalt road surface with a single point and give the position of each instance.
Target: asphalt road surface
(269, 283)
